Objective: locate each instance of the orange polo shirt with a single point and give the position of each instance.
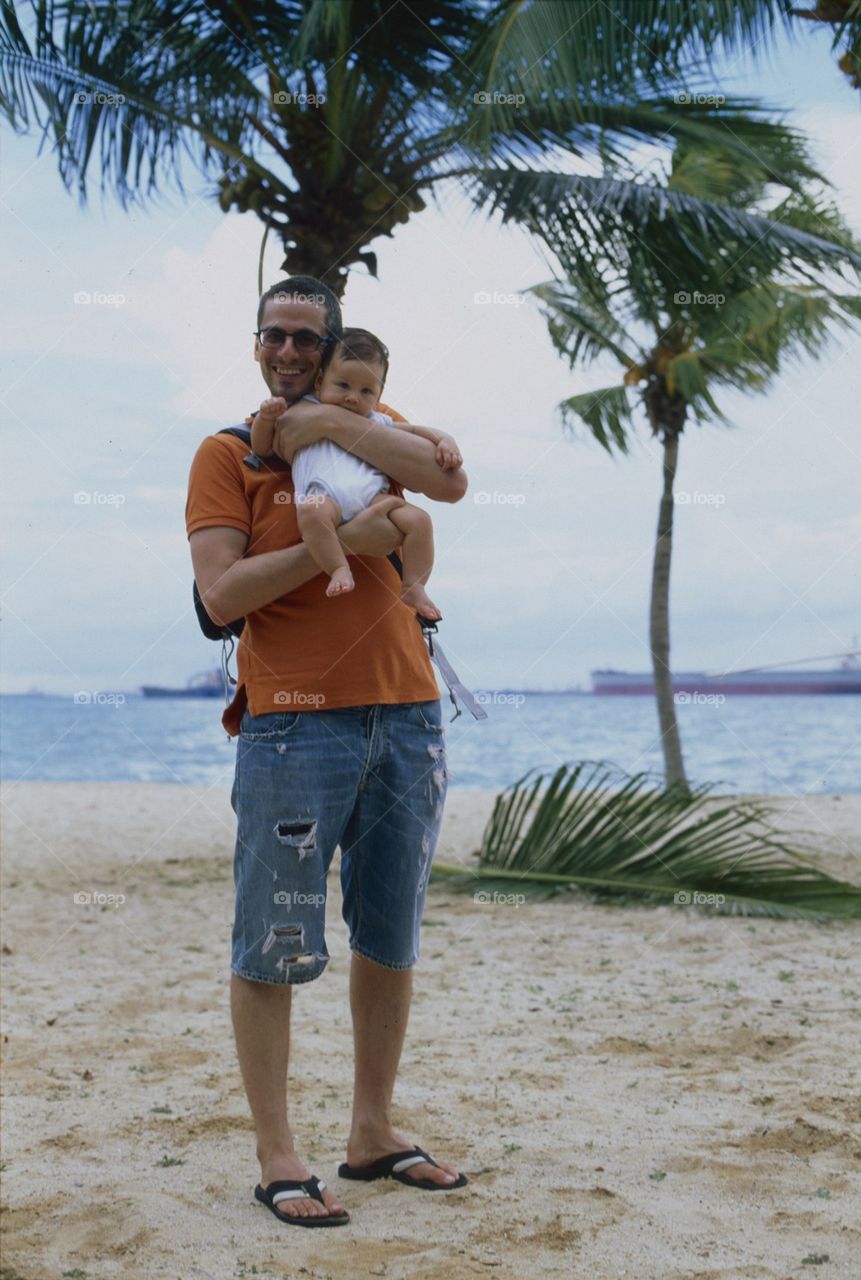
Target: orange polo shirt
(306, 651)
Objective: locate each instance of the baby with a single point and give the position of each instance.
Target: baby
(332, 485)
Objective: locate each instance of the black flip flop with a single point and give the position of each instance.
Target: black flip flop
(289, 1189)
(393, 1166)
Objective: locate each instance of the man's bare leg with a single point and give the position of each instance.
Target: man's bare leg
(261, 1025)
(380, 1005)
(319, 517)
(417, 556)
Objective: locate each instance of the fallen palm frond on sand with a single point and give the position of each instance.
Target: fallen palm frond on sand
(599, 830)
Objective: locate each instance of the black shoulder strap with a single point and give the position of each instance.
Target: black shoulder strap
(213, 630)
(241, 433)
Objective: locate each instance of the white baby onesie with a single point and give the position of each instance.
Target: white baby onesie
(351, 481)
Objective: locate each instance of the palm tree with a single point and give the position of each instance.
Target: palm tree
(687, 305)
(332, 121)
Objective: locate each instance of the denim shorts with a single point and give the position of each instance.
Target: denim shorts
(371, 779)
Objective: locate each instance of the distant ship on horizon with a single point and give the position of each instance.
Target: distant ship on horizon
(206, 684)
(754, 680)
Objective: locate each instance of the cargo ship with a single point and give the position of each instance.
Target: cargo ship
(206, 684)
(763, 681)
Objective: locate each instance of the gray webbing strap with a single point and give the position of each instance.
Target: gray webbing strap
(451, 678)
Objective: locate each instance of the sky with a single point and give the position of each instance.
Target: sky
(127, 340)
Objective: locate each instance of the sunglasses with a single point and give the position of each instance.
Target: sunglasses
(305, 341)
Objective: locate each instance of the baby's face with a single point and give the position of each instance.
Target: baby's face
(353, 384)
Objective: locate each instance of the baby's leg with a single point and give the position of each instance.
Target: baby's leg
(417, 555)
(263, 425)
(319, 516)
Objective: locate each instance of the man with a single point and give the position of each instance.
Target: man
(340, 742)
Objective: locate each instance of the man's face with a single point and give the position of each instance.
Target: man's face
(286, 371)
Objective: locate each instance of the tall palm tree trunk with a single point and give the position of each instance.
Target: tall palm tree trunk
(659, 620)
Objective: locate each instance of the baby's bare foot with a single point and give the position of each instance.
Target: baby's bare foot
(340, 582)
(417, 598)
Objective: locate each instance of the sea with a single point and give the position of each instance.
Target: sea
(768, 745)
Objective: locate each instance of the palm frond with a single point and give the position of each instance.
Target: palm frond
(745, 342)
(815, 213)
(535, 48)
(607, 414)
(584, 220)
(581, 325)
(607, 125)
(688, 375)
(111, 88)
(595, 828)
(785, 321)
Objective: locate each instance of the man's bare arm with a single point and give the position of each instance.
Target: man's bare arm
(232, 584)
(405, 457)
(426, 433)
(446, 452)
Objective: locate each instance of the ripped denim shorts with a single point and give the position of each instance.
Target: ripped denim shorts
(371, 779)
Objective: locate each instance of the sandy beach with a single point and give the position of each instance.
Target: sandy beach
(638, 1092)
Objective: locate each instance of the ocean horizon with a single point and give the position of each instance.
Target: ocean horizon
(778, 745)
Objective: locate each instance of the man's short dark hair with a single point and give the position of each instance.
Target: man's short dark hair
(305, 289)
(361, 344)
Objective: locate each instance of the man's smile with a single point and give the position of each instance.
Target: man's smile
(288, 371)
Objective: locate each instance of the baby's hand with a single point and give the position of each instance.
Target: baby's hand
(447, 455)
(273, 407)
(263, 425)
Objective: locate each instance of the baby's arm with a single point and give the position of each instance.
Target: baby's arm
(263, 425)
(448, 455)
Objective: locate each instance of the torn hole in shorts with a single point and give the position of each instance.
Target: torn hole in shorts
(301, 835)
(426, 856)
(292, 938)
(437, 777)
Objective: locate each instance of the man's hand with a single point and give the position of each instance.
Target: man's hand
(371, 532)
(302, 424)
(447, 454)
